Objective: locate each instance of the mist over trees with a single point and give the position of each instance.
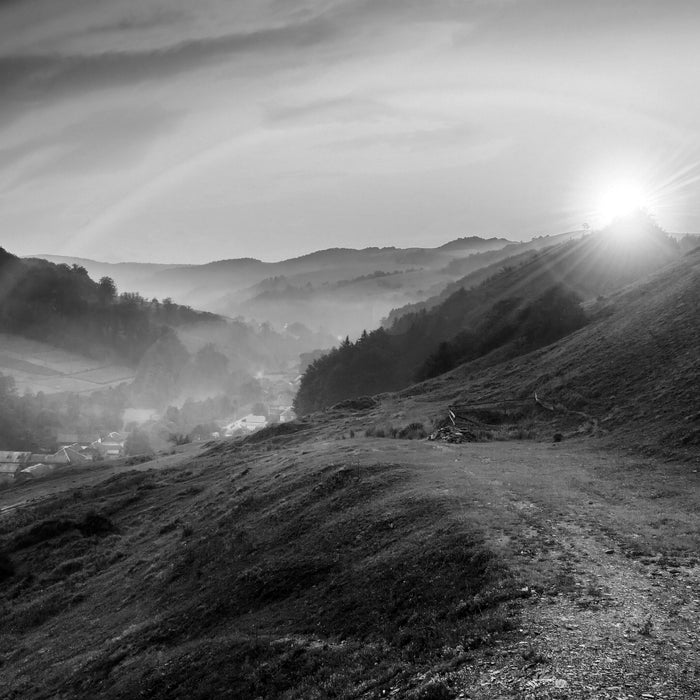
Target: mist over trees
(199, 364)
(30, 422)
(62, 306)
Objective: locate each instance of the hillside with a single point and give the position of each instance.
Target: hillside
(75, 355)
(475, 270)
(64, 307)
(319, 559)
(318, 290)
(631, 376)
(589, 265)
(513, 311)
(314, 560)
(40, 367)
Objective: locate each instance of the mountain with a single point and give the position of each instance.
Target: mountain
(339, 290)
(476, 269)
(475, 244)
(510, 312)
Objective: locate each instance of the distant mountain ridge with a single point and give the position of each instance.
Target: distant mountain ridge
(475, 243)
(311, 289)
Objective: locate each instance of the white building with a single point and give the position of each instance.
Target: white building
(244, 426)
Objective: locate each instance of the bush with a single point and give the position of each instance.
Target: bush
(413, 431)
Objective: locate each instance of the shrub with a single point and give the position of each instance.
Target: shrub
(413, 431)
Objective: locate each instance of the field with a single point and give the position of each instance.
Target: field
(38, 367)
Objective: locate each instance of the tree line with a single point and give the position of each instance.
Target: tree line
(61, 305)
(430, 343)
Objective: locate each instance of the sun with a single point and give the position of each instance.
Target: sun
(621, 199)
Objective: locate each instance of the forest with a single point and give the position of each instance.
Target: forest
(62, 306)
(435, 342)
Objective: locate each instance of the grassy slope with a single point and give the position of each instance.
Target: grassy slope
(335, 568)
(308, 570)
(634, 370)
(38, 367)
(304, 565)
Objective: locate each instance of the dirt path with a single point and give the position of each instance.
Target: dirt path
(608, 547)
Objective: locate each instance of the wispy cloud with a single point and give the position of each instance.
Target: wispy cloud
(101, 140)
(307, 118)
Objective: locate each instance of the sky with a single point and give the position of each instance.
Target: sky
(180, 131)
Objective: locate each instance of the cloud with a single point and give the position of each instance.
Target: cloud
(103, 140)
(217, 115)
(342, 109)
(42, 75)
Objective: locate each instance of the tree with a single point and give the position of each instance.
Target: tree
(439, 362)
(106, 290)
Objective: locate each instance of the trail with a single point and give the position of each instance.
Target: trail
(604, 545)
(619, 534)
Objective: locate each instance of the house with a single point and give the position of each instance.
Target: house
(69, 455)
(245, 425)
(11, 464)
(8, 473)
(111, 446)
(287, 415)
(54, 459)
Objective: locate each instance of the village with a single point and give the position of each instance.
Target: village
(154, 433)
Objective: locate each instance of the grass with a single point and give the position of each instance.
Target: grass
(40, 367)
(302, 579)
(323, 568)
(412, 431)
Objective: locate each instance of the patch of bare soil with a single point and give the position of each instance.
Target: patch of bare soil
(628, 629)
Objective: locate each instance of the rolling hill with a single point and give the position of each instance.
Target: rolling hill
(631, 375)
(510, 312)
(320, 559)
(40, 367)
(340, 290)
